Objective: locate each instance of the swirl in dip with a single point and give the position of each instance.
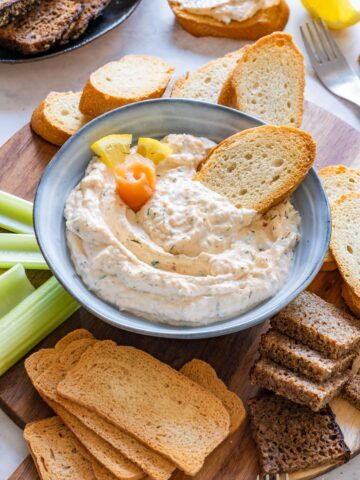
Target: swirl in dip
(188, 257)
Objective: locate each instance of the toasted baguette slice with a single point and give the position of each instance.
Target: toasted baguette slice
(55, 451)
(265, 21)
(268, 374)
(169, 413)
(130, 79)
(269, 81)
(302, 359)
(337, 180)
(58, 117)
(206, 83)
(277, 426)
(259, 167)
(319, 324)
(351, 300)
(345, 240)
(203, 374)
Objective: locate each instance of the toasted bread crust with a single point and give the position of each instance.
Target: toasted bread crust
(41, 126)
(262, 23)
(339, 238)
(229, 94)
(95, 102)
(204, 374)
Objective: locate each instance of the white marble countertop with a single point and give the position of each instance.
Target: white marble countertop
(152, 30)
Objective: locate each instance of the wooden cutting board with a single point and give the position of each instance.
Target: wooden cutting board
(22, 160)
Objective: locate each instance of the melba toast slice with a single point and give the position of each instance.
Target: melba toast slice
(259, 167)
(150, 400)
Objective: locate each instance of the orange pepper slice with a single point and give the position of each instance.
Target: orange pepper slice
(135, 183)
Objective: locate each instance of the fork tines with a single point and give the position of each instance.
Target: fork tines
(319, 43)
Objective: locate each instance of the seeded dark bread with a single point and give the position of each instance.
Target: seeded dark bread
(278, 427)
(12, 9)
(319, 324)
(351, 391)
(300, 358)
(42, 27)
(267, 374)
(92, 9)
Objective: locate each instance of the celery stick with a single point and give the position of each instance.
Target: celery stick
(14, 287)
(32, 320)
(16, 214)
(20, 248)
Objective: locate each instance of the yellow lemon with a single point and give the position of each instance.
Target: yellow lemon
(153, 149)
(336, 14)
(112, 148)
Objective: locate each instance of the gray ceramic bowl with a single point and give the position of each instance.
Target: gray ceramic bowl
(157, 118)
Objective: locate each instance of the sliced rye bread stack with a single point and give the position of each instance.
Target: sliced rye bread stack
(308, 354)
(345, 246)
(292, 438)
(337, 180)
(265, 21)
(112, 451)
(92, 9)
(11, 10)
(34, 26)
(42, 27)
(351, 392)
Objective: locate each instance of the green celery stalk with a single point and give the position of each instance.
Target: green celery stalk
(16, 214)
(32, 320)
(20, 248)
(14, 287)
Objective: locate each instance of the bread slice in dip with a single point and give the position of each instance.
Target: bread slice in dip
(259, 167)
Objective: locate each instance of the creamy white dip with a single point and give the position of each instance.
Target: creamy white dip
(188, 256)
(226, 10)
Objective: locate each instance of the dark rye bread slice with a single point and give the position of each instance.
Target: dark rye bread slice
(300, 358)
(267, 374)
(291, 437)
(351, 391)
(318, 324)
(42, 27)
(11, 9)
(92, 9)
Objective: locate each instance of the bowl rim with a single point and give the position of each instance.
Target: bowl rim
(179, 332)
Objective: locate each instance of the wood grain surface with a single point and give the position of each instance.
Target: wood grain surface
(22, 160)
